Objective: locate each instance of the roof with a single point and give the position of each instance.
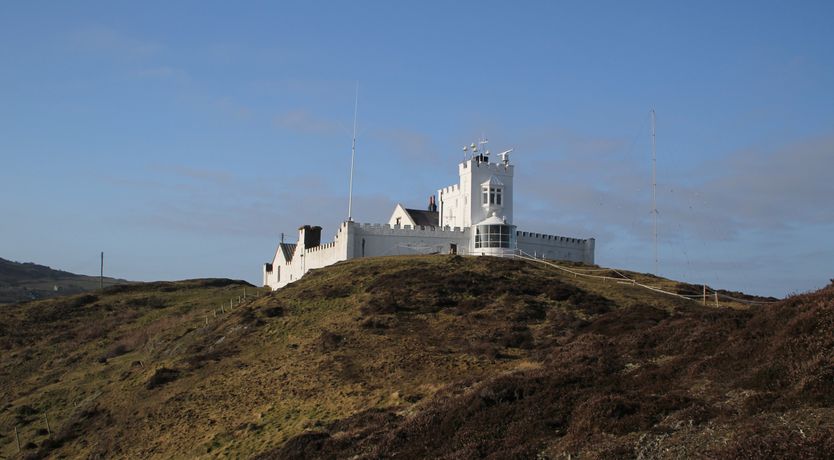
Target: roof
(493, 181)
(288, 249)
(423, 218)
(492, 220)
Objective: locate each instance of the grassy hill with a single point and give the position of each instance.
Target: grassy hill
(417, 357)
(27, 281)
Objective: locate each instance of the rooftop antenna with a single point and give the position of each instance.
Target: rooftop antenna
(483, 141)
(353, 154)
(505, 156)
(654, 189)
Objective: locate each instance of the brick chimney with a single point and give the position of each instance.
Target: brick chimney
(309, 236)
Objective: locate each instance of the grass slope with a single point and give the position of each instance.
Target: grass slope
(417, 357)
(27, 281)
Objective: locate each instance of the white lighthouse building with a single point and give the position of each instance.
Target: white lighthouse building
(472, 217)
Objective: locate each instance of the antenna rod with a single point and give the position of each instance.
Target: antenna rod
(353, 154)
(654, 189)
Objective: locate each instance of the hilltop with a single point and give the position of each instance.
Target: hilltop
(417, 357)
(29, 281)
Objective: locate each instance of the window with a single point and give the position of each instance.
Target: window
(494, 236)
(491, 195)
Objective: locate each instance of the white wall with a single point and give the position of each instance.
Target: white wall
(480, 173)
(460, 208)
(460, 204)
(385, 240)
(557, 247)
(399, 213)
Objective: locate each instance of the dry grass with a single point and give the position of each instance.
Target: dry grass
(436, 356)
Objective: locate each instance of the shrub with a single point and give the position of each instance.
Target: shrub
(162, 376)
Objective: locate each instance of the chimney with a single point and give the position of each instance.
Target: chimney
(432, 204)
(309, 237)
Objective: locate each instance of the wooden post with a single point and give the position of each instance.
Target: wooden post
(101, 274)
(716, 299)
(206, 320)
(17, 438)
(48, 429)
(705, 295)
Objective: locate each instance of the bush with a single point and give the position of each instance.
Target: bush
(162, 376)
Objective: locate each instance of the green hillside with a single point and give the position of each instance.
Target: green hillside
(27, 281)
(417, 357)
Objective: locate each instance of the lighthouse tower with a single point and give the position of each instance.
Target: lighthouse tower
(483, 200)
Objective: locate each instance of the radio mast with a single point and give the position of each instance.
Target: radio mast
(654, 189)
(353, 154)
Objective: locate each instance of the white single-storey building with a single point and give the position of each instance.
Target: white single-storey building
(472, 217)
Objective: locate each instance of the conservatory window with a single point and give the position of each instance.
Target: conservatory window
(494, 236)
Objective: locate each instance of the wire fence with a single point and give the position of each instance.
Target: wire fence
(583, 272)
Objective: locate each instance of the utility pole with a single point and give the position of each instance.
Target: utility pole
(101, 273)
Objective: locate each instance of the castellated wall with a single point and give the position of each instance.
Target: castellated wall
(556, 247)
(305, 259)
(355, 240)
(372, 240)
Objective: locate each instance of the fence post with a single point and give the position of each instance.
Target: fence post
(17, 439)
(716, 299)
(705, 295)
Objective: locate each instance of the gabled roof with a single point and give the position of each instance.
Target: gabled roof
(494, 181)
(287, 249)
(424, 218)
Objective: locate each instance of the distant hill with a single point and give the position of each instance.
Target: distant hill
(439, 356)
(28, 281)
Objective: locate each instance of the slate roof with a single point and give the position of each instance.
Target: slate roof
(288, 249)
(423, 218)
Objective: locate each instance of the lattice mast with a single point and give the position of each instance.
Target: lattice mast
(654, 189)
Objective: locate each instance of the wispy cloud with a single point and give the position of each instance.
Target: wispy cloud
(232, 107)
(303, 121)
(111, 41)
(409, 144)
(751, 189)
(162, 73)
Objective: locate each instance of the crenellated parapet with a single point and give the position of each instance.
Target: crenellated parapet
(408, 230)
(550, 238)
(450, 189)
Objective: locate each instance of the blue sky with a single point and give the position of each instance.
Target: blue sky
(182, 138)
